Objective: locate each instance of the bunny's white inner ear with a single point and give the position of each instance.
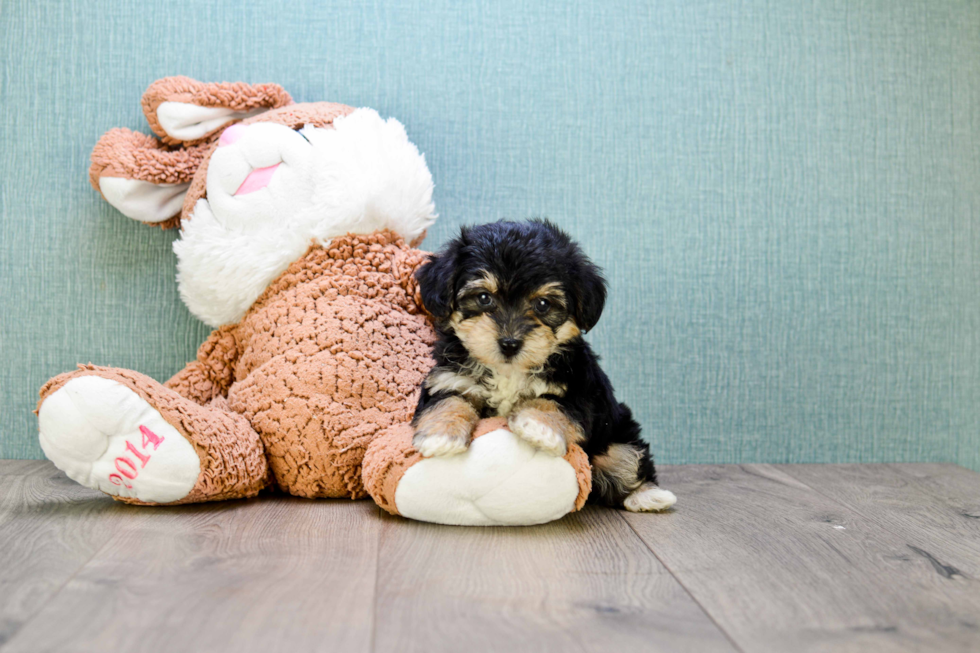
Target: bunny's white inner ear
(188, 122)
(142, 200)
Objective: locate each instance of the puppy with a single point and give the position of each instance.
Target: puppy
(511, 302)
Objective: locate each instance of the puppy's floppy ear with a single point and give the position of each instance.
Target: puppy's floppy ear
(590, 295)
(437, 281)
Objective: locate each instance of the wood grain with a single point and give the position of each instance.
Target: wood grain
(49, 527)
(585, 583)
(258, 575)
(956, 487)
(26, 468)
(754, 558)
(781, 567)
(933, 508)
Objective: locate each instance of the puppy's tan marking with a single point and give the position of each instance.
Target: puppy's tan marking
(551, 290)
(445, 428)
(542, 423)
(538, 346)
(485, 282)
(479, 335)
(617, 472)
(541, 343)
(567, 331)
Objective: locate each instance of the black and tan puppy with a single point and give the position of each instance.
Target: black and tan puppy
(511, 301)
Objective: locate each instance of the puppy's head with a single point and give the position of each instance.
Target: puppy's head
(513, 292)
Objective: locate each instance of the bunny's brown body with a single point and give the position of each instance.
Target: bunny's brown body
(293, 394)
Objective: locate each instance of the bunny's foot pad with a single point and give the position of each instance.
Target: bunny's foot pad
(105, 436)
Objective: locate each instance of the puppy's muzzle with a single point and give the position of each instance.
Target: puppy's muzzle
(510, 346)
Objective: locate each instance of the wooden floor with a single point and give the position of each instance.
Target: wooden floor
(754, 558)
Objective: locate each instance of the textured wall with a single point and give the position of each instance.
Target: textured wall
(785, 195)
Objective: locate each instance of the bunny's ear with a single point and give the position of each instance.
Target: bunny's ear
(181, 110)
(143, 179)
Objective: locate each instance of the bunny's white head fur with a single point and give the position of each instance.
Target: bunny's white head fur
(272, 191)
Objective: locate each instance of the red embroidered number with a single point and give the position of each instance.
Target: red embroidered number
(143, 457)
(131, 473)
(127, 468)
(151, 437)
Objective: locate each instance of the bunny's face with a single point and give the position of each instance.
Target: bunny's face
(255, 200)
(361, 172)
(272, 191)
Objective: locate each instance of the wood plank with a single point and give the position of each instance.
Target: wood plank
(585, 583)
(260, 575)
(930, 507)
(781, 567)
(957, 486)
(26, 467)
(49, 527)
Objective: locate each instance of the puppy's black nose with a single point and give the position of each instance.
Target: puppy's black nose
(510, 346)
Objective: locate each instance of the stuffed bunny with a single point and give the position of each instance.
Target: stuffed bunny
(298, 224)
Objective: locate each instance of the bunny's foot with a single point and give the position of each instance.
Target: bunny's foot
(108, 438)
(128, 436)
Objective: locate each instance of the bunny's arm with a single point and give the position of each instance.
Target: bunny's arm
(213, 372)
(405, 265)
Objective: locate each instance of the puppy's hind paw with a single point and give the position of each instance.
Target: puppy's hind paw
(649, 498)
(537, 434)
(438, 445)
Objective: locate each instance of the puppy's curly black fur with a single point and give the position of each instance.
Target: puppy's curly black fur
(511, 301)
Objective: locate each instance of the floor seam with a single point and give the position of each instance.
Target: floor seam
(684, 587)
(374, 599)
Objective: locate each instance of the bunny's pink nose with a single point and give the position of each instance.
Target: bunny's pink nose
(231, 134)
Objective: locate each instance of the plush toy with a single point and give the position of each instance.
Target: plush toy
(298, 231)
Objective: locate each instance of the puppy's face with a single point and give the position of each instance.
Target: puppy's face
(513, 293)
(503, 322)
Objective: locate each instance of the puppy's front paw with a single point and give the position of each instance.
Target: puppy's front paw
(537, 434)
(438, 444)
(649, 498)
(444, 429)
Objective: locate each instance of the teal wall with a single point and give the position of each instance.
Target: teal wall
(785, 195)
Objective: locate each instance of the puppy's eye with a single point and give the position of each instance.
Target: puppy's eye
(484, 299)
(542, 306)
